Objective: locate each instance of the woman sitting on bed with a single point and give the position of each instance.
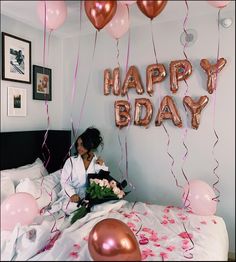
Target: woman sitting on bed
(76, 168)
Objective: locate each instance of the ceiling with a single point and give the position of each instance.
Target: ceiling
(26, 12)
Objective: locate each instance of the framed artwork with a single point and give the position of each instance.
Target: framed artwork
(42, 83)
(16, 59)
(17, 98)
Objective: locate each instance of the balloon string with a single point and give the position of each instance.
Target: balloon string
(153, 44)
(173, 161)
(186, 200)
(189, 255)
(84, 99)
(76, 72)
(217, 198)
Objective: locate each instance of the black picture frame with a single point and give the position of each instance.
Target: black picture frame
(16, 59)
(42, 83)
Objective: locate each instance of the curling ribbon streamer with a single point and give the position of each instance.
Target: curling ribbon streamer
(217, 198)
(186, 200)
(76, 72)
(186, 204)
(168, 142)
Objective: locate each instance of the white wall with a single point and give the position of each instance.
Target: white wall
(148, 162)
(36, 118)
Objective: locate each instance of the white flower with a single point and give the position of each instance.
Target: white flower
(106, 183)
(101, 183)
(96, 181)
(91, 180)
(121, 194)
(116, 190)
(112, 183)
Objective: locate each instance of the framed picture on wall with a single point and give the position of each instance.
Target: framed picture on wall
(42, 83)
(17, 99)
(16, 59)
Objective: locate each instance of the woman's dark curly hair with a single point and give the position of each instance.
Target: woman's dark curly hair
(91, 139)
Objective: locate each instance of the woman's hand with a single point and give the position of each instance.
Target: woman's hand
(99, 161)
(75, 198)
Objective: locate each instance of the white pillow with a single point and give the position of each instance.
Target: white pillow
(42, 188)
(7, 188)
(33, 171)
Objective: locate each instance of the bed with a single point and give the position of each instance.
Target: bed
(163, 233)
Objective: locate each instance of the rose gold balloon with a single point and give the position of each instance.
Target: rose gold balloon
(100, 12)
(195, 108)
(168, 110)
(151, 8)
(139, 104)
(112, 240)
(155, 73)
(132, 80)
(179, 70)
(122, 116)
(112, 82)
(212, 71)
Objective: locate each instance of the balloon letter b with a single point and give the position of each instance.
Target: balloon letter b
(122, 116)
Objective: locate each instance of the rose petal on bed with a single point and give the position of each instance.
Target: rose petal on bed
(170, 248)
(74, 254)
(143, 241)
(172, 221)
(164, 255)
(203, 222)
(164, 222)
(185, 235)
(77, 246)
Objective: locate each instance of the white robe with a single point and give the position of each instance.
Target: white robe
(73, 181)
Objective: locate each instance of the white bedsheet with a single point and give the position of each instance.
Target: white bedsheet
(162, 227)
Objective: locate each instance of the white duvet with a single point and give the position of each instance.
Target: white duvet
(164, 233)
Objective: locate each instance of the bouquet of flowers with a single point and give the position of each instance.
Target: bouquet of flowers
(101, 188)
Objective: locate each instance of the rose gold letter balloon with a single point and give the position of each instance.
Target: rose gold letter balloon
(179, 70)
(155, 73)
(168, 110)
(196, 108)
(122, 116)
(112, 82)
(100, 12)
(212, 71)
(139, 103)
(112, 240)
(151, 8)
(132, 80)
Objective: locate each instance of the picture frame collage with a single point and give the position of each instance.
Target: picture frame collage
(17, 67)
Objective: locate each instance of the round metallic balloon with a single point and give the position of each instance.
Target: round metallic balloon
(112, 240)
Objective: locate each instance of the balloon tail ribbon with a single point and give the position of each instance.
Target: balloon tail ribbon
(153, 44)
(75, 73)
(187, 253)
(217, 198)
(173, 161)
(186, 200)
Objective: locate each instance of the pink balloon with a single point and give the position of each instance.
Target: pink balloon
(56, 12)
(127, 2)
(200, 197)
(218, 4)
(119, 24)
(18, 208)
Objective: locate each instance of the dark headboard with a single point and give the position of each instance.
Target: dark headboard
(23, 147)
